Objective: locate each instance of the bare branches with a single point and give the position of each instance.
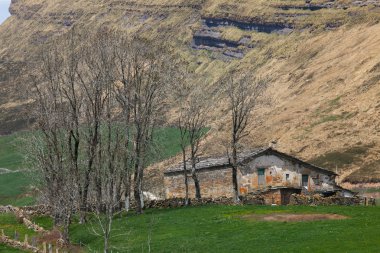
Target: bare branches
(192, 118)
(99, 97)
(243, 93)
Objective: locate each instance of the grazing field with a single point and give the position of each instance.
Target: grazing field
(10, 156)
(6, 249)
(227, 229)
(14, 184)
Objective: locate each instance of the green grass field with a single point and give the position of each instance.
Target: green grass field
(15, 185)
(10, 225)
(199, 229)
(6, 249)
(10, 157)
(222, 229)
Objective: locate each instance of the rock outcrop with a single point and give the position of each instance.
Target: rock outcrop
(320, 59)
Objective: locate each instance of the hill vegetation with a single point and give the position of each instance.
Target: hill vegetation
(15, 184)
(320, 58)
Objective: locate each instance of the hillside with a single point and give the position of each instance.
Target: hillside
(320, 58)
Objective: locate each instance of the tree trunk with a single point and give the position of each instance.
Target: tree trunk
(65, 232)
(186, 179)
(127, 185)
(197, 187)
(98, 194)
(196, 183)
(83, 204)
(234, 174)
(127, 203)
(105, 244)
(137, 190)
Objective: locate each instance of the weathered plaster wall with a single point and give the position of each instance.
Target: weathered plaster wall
(217, 182)
(214, 183)
(276, 169)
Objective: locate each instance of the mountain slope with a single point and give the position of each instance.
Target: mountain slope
(321, 60)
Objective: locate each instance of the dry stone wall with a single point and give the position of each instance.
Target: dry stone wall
(250, 199)
(318, 200)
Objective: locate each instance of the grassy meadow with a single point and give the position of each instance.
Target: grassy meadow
(224, 229)
(198, 229)
(15, 185)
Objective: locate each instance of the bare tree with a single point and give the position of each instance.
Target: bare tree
(55, 154)
(144, 78)
(191, 123)
(98, 101)
(183, 143)
(103, 148)
(196, 116)
(243, 93)
(110, 159)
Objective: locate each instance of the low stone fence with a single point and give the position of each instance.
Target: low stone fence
(23, 214)
(318, 200)
(17, 244)
(38, 210)
(259, 199)
(250, 199)
(7, 209)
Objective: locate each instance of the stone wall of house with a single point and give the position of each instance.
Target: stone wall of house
(272, 197)
(214, 183)
(280, 172)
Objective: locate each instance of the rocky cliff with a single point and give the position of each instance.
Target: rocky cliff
(321, 58)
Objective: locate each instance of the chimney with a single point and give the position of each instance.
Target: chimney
(273, 144)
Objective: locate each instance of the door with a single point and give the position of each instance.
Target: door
(261, 177)
(305, 181)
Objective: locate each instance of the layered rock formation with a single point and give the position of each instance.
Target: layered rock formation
(320, 58)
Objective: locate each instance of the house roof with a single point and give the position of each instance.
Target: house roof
(244, 157)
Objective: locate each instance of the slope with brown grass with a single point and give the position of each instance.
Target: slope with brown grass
(324, 75)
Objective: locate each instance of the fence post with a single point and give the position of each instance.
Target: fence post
(2, 233)
(16, 236)
(50, 248)
(44, 248)
(34, 241)
(26, 239)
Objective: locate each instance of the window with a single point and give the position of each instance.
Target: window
(316, 180)
(305, 181)
(287, 176)
(261, 176)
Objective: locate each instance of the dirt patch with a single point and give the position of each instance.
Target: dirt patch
(288, 217)
(50, 237)
(53, 237)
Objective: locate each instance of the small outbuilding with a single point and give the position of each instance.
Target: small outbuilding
(273, 174)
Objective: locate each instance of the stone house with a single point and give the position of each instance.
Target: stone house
(273, 174)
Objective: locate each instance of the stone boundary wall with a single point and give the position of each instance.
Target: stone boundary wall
(259, 199)
(318, 200)
(23, 214)
(17, 244)
(250, 199)
(40, 210)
